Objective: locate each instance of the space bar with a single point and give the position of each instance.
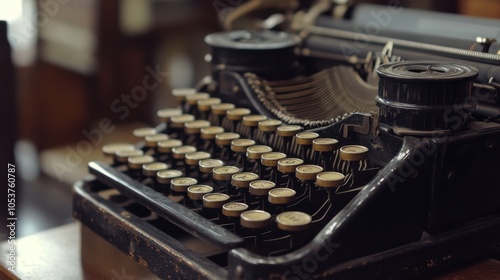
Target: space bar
(181, 216)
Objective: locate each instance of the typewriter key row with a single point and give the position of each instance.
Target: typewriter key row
(239, 170)
(262, 155)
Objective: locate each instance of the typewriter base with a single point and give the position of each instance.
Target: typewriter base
(165, 256)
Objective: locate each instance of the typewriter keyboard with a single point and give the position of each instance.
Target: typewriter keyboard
(220, 172)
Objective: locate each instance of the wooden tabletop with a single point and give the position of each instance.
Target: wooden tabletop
(58, 254)
(75, 252)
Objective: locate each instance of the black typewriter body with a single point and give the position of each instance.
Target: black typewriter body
(419, 191)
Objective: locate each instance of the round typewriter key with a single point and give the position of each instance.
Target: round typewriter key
(271, 159)
(288, 165)
(329, 179)
(211, 131)
(194, 98)
(234, 209)
(225, 172)
(243, 179)
(123, 155)
(269, 125)
(255, 219)
(293, 221)
(208, 165)
(353, 153)
(179, 121)
(308, 171)
(215, 200)
(253, 120)
(206, 104)
(261, 187)
(224, 139)
(196, 192)
(138, 161)
(181, 184)
(256, 151)
(151, 169)
(167, 145)
(288, 130)
(180, 152)
(237, 114)
(111, 149)
(195, 157)
(152, 140)
(181, 93)
(221, 109)
(281, 196)
(166, 114)
(241, 145)
(165, 176)
(306, 137)
(195, 127)
(144, 131)
(325, 144)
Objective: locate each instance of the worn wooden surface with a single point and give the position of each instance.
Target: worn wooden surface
(488, 269)
(51, 254)
(69, 252)
(75, 252)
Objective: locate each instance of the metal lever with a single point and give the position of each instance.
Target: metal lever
(369, 124)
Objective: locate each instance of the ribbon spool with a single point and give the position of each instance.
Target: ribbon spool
(266, 53)
(423, 98)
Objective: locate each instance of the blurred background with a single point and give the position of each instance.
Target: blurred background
(87, 72)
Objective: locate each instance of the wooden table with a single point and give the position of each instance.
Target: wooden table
(74, 252)
(70, 252)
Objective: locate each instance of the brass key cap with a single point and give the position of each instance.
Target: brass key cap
(252, 122)
(152, 140)
(355, 156)
(167, 113)
(110, 149)
(305, 141)
(326, 147)
(219, 112)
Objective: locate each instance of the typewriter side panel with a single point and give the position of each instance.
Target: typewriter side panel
(388, 212)
(139, 239)
(466, 183)
(408, 202)
(409, 205)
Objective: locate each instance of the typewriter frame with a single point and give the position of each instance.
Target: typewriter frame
(402, 224)
(401, 253)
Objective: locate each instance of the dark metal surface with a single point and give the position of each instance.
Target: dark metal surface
(425, 95)
(174, 212)
(146, 244)
(416, 207)
(383, 231)
(393, 209)
(263, 52)
(376, 218)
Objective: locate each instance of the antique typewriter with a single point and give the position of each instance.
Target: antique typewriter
(306, 155)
